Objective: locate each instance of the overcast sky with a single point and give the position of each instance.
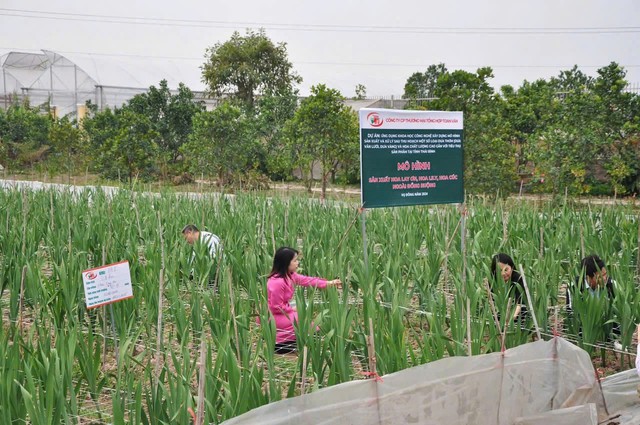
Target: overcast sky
(344, 43)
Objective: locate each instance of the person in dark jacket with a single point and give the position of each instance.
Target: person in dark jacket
(594, 281)
(503, 264)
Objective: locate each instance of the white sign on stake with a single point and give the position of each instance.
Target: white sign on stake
(107, 284)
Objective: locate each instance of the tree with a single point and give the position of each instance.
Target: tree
(527, 111)
(67, 142)
(422, 85)
(463, 91)
(323, 129)
(592, 145)
(270, 115)
(247, 66)
(619, 111)
(220, 143)
(101, 129)
(489, 156)
(134, 149)
(24, 132)
(361, 92)
(170, 116)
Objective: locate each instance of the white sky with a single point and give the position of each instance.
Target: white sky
(344, 43)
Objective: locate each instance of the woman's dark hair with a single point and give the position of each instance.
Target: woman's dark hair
(501, 258)
(591, 265)
(281, 261)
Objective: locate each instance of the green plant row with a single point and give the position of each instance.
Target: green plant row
(63, 364)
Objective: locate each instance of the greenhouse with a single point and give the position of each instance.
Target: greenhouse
(66, 81)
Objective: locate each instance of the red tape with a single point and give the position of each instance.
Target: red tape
(192, 413)
(373, 375)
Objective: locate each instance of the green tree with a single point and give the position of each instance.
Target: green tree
(67, 142)
(24, 132)
(489, 154)
(170, 115)
(270, 115)
(323, 130)
(221, 144)
(527, 111)
(248, 66)
(101, 129)
(463, 91)
(591, 145)
(133, 149)
(361, 92)
(422, 85)
(620, 117)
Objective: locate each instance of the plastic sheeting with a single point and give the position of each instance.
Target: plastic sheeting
(496, 388)
(621, 393)
(587, 414)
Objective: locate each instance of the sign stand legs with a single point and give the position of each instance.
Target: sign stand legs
(364, 242)
(115, 334)
(463, 251)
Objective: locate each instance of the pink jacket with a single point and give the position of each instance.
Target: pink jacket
(279, 292)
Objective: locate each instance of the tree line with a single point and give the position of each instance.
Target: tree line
(573, 132)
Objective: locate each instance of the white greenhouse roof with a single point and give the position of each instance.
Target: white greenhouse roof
(105, 70)
(138, 72)
(66, 80)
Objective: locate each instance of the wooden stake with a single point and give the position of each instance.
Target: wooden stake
(521, 183)
(25, 205)
(51, 219)
(202, 367)
(463, 251)
(273, 237)
(233, 314)
(581, 242)
(504, 331)
(505, 231)
(7, 224)
(286, 224)
(541, 253)
(104, 315)
(469, 326)
(530, 302)
(303, 377)
(493, 307)
(444, 264)
(372, 350)
(159, 330)
(21, 304)
(135, 209)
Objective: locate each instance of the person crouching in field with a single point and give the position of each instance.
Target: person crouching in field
(514, 285)
(193, 236)
(281, 284)
(594, 288)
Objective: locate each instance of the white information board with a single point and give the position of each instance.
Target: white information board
(107, 284)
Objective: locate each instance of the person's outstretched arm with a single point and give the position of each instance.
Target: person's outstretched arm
(317, 282)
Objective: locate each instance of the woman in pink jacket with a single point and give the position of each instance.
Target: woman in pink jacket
(280, 289)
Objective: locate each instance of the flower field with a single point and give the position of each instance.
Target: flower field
(178, 351)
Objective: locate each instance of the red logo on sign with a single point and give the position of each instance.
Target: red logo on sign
(374, 119)
(91, 275)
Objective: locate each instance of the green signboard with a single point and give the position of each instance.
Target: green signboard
(410, 157)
